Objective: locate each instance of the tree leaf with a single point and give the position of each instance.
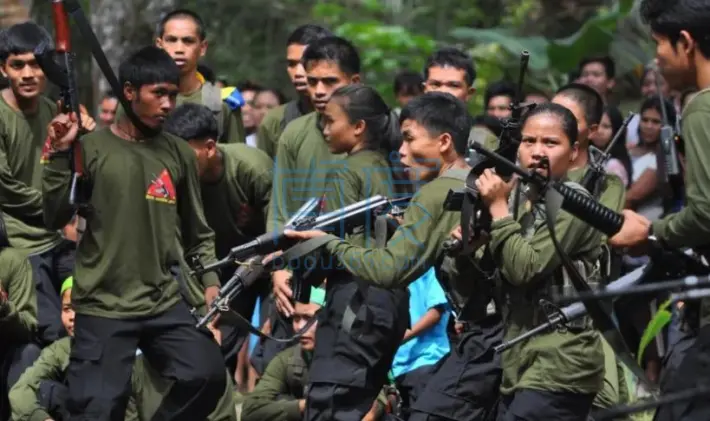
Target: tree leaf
(535, 45)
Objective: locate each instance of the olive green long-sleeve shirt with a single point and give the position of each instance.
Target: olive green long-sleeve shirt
(691, 226)
(269, 131)
(22, 139)
(236, 205)
(18, 316)
(528, 262)
(283, 384)
(415, 246)
(140, 192)
(301, 169)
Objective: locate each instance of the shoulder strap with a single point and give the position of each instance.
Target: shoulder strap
(4, 239)
(212, 99)
(291, 112)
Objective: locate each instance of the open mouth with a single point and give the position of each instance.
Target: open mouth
(299, 85)
(180, 62)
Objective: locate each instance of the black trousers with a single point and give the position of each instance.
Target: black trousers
(50, 269)
(14, 360)
(692, 371)
(102, 356)
(350, 366)
(411, 386)
(465, 383)
(538, 405)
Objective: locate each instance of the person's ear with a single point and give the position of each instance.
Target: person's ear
(130, 92)
(355, 78)
(359, 127)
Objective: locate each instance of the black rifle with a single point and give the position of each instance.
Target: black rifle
(598, 159)
(475, 217)
(58, 66)
(669, 141)
(250, 271)
(557, 319)
(356, 214)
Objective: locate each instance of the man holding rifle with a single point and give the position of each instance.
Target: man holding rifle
(683, 54)
(124, 293)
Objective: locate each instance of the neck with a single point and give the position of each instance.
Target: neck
(189, 83)
(26, 106)
(582, 158)
(124, 129)
(703, 74)
(216, 169)
(458, 163)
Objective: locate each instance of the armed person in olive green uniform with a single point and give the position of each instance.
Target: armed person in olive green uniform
(276, 120)
(588, 107)
(24, 116)
(435, 128)
(40, 394)
(350, 367)
(18, 321)
(304, 160)
(683, 56)
(125, 295)
(236, 187)
(555, 375)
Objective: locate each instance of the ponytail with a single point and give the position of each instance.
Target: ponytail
(382, 130)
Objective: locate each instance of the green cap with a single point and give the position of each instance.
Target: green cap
(318, 296)
(67, 284)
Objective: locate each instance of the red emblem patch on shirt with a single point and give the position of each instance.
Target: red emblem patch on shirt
(161, 189)
(46, 151)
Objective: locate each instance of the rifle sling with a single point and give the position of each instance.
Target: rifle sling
(74, 9)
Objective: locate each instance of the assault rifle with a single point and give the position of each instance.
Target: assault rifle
(557, 195)
(357, 214)
(475, 217)
(669, 144)
(247, 273)
(599, 158)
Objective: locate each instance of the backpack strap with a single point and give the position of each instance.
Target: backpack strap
(212, 99)
(291, 112)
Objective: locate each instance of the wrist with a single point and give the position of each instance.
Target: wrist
(499, 209)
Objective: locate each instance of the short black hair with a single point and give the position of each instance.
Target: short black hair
(588, 98)
(569, 122)
(22, 38)
(668, 18)
(248, 85)
(182, 14)
(109, 95)
(606, 61)
(491, 123)
(656, 102)
(207, 72)
(408, 82)
(306, 34)
(192, 122)
(500, 88)
(334, 49)
(147, 66)
(452, 57)
(281, 97)
(438, 113)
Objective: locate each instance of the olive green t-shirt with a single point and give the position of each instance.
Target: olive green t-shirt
(22, 139)
(140, 191)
